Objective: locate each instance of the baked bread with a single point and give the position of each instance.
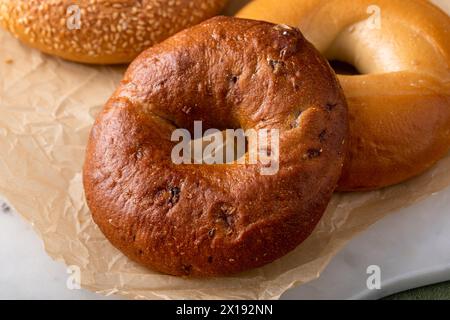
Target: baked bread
(101, 31)
(399, 107)
(210, 220)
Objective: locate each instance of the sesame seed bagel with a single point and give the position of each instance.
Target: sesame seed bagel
(399, 107)
(101, 31)
(218, 219)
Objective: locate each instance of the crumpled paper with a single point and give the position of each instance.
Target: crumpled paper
(47, 107)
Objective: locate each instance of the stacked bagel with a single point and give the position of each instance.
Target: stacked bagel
(265, 69)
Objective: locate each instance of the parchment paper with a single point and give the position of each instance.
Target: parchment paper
(47, 107)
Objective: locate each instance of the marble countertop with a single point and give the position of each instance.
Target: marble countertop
(26, 272)
(411, 248)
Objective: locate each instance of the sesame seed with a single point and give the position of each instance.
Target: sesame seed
(108, 29)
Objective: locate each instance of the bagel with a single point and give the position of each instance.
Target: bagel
(101, 31)
(218, 219)
(399, 106)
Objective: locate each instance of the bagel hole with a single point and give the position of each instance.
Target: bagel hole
(227, 149)
(344, 68)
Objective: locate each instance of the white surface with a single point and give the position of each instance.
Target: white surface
(26, 272)
(412, 248)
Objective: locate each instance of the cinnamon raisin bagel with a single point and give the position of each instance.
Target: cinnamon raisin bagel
(399, 106)
(209, 220)
(101, 31)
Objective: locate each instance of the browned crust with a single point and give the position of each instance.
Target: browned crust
(399, 110)
(216, 220)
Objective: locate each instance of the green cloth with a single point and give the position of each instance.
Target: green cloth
(439, 291)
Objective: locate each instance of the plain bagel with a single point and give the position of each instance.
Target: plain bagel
(209, 220)
(101, 31)
(399, 108)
